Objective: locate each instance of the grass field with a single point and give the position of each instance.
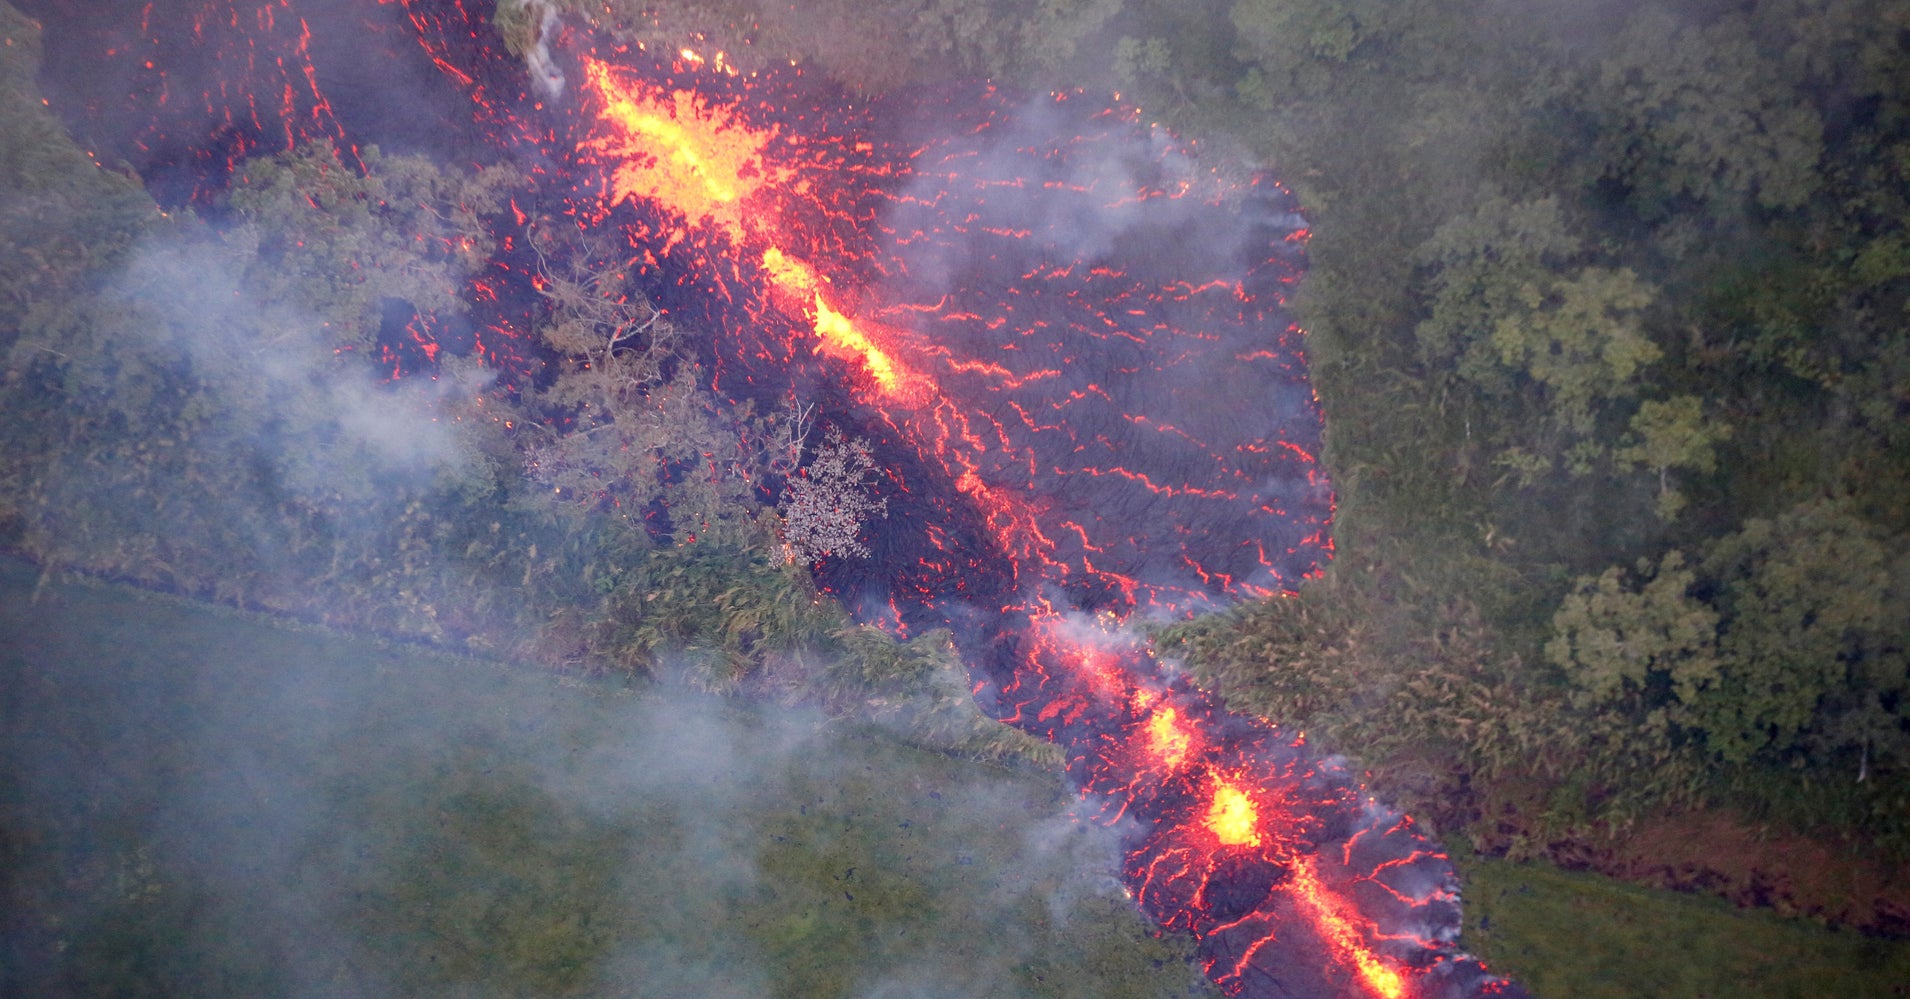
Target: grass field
(1568, 935)
(197, 802)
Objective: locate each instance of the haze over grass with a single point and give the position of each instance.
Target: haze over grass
(195, 801)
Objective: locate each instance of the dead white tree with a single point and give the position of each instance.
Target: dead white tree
(790, 433)
(829, 500)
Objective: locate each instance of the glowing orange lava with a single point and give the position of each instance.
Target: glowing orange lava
(1046, 480)
(682, 151)
(1109, 436)
(1232, 817)
(1329, 916)
(1167, 741)
(842, 337)
(791, 275)
(679, 149)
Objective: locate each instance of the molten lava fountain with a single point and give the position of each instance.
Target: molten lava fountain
(1067, 341)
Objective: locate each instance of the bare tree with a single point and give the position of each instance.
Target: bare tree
(790, 433)
(829, 500)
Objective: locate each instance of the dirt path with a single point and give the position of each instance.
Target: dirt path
(1830, 878)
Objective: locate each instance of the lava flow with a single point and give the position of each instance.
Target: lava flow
(1074, 350)
(1066, 339)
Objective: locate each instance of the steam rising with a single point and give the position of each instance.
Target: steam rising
(547, 75)
(317, 418)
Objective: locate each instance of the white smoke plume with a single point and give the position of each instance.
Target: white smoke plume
(547, 77)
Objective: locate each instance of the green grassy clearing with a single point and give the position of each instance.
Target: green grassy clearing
(200, 802)
(1569, 935)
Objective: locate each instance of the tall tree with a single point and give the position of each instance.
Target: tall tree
(1816, 648)
(1701, 112)
(1519, 316)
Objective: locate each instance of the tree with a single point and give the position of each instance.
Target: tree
(1700, 111)
(340, 245)
(828, 501)
(1815, 653)
(1515, 314)
(1579, 337)
(619, 341)
(1138, 59)
(61, 216)
(911, 40)
(1790, 636)
(1647, 646)
(1479, 266)
(1672, 434)
(1296, 44)
(627, 427)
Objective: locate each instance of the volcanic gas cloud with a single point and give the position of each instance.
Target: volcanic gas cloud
(1066, 338)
